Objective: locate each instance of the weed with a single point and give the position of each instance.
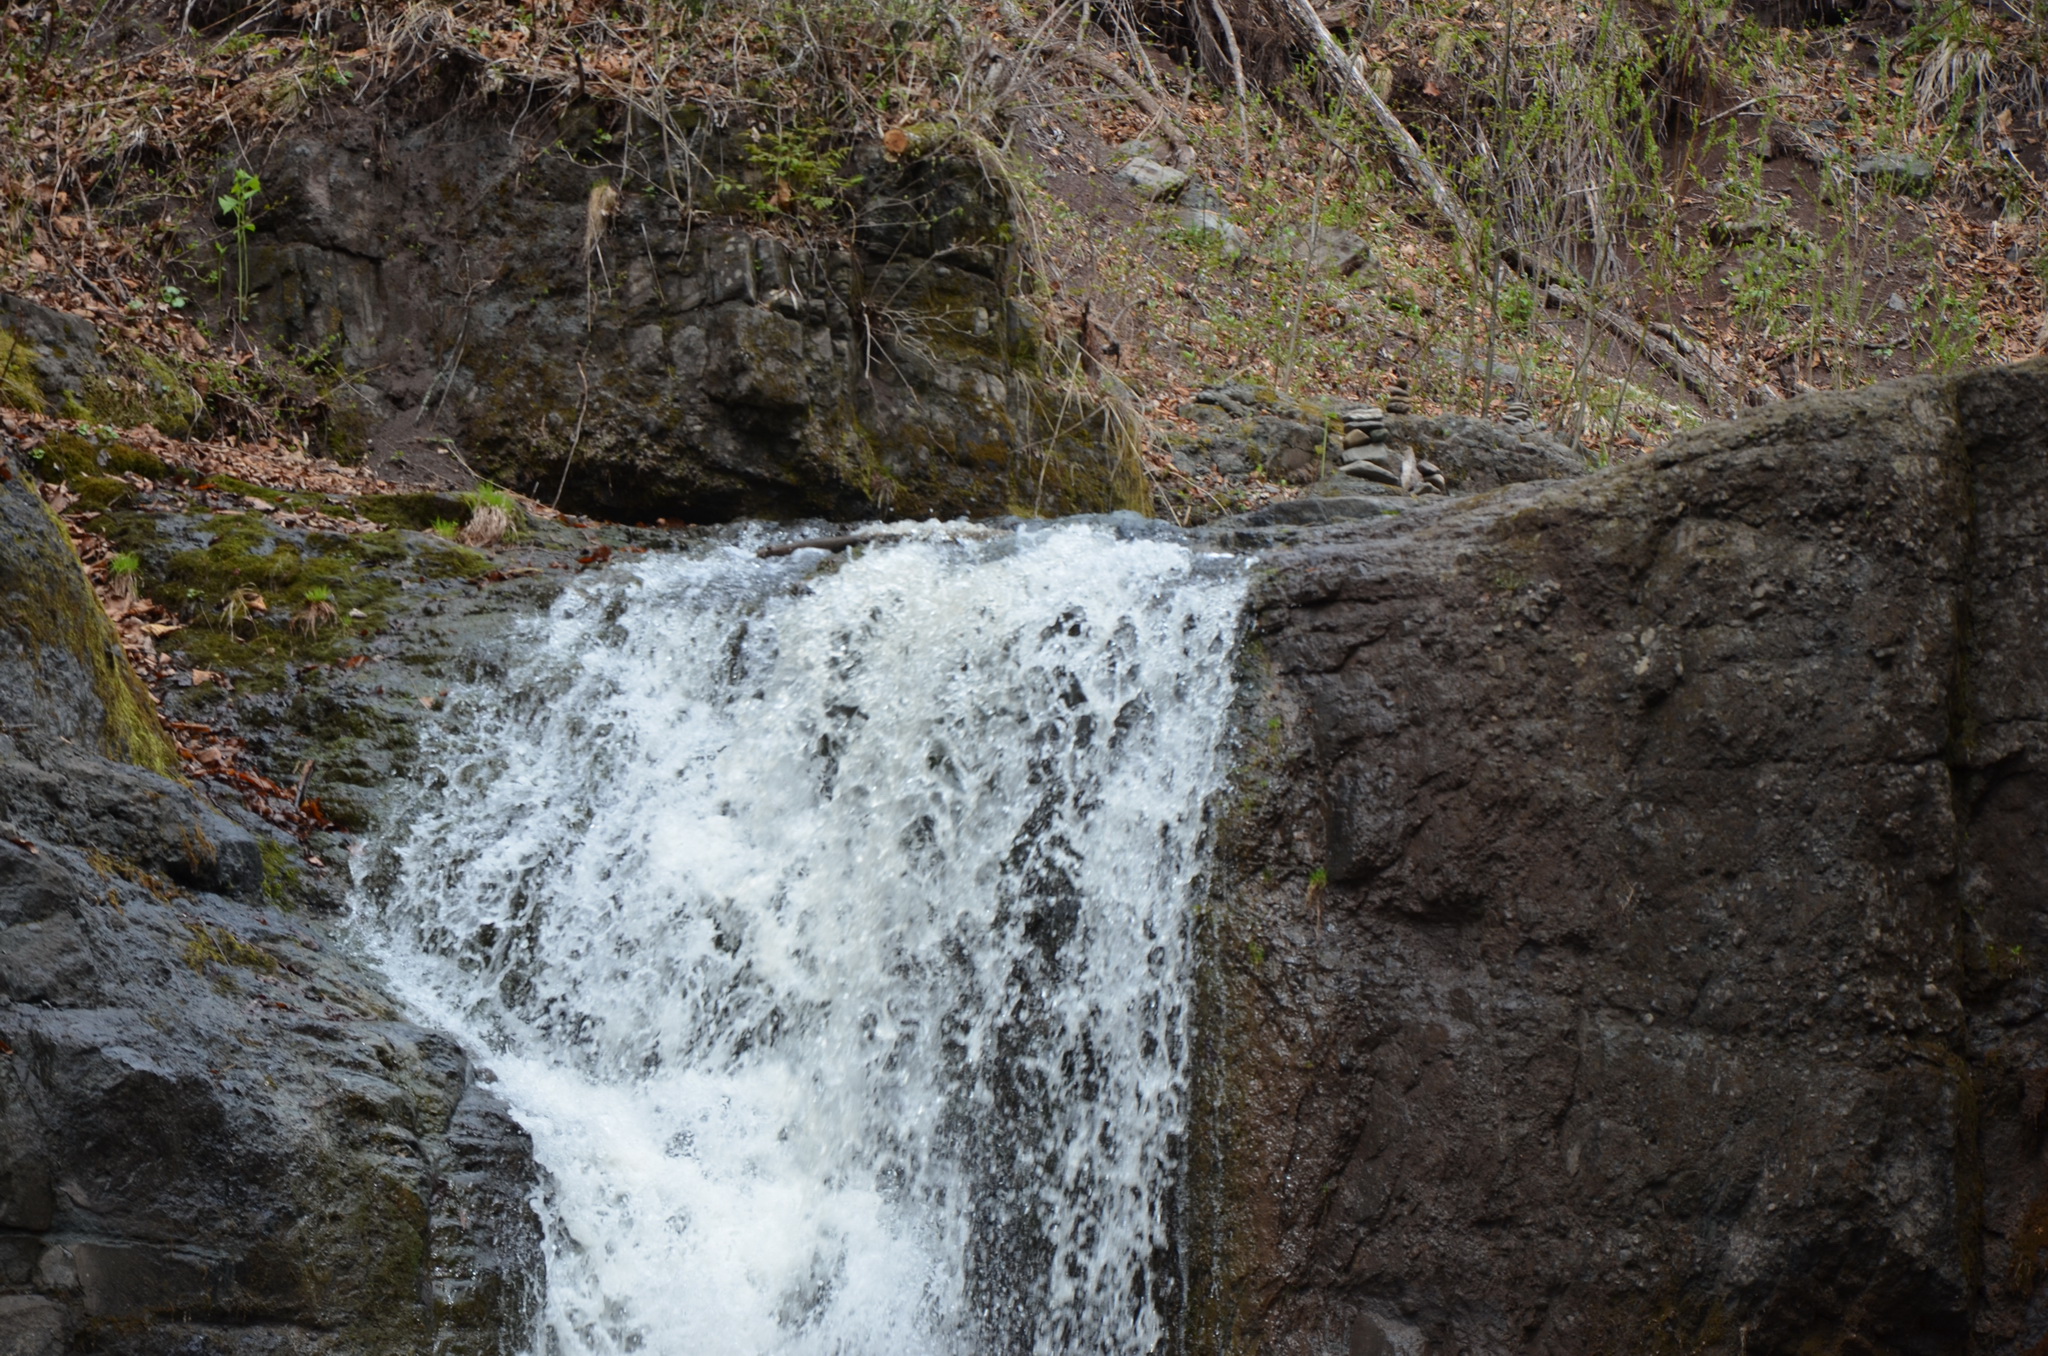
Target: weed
(123, 577)
(241, 605)
(220, 946)
(239, 205)
(316, 609)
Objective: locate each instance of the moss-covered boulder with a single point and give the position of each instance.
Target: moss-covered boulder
(62, 674)
(663, 363)
(215, 1134)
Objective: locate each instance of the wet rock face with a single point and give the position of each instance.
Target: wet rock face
(215, 1135)
(1631, 933)
(689, 370)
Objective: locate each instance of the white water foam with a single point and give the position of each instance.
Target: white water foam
(827, 926)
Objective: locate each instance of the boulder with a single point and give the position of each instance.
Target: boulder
(215, 1134)
(1904, 172)
(1230, 237)
(1150, 179)
(1322, 249)
(1627, 933)
(696, 366)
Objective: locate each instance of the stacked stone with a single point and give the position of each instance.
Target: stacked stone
(1377, 464)
(1516, 414)
(1400, 400)
(1364, 424)
(1369, 457)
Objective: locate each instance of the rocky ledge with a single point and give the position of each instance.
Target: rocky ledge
(215, 1135)
(1629, 930)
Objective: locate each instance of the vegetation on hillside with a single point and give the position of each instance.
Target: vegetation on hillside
(1791, 193)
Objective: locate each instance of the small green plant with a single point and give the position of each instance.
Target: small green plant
(316, 610)
(446, 527)
(1256, 952)
(124, 580)
(801, 176)
(239, 205)
(494, 516)
(1319, 877)
(488, 495)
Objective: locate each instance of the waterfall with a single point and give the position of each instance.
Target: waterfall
(826, 922)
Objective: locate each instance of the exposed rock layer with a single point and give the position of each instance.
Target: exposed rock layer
(1630, 935)
(214, 1135)
(465, 270)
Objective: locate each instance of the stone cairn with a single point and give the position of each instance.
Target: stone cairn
(1367, 456)
(1400, 400)
(1515, 414)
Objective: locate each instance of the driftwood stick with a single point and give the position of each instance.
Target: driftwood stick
(1405, 146)
(1560, 284)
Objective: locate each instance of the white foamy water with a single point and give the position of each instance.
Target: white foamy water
(827, 926)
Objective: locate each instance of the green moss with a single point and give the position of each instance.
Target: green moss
(151, 391)
(452, 562)
(102, 493)
(231, 485)
(110, 867)
(19, 388)
(48, 602)
(281, 874)
(345, 433)
(220, 946)
(247, 553)
(75, 456)
(416, 511)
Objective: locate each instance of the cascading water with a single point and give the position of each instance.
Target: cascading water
(827, 926)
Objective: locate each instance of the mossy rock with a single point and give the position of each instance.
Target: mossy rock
(62, 673)
(79, 455)
(416, 511)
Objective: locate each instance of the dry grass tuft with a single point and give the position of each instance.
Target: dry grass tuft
(487, 526)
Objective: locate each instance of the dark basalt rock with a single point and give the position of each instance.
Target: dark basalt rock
(215, 1135)
(1630, 934)
(697, 370)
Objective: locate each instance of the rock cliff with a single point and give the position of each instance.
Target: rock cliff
(214, 1135)
(475, 279)
(1629, 934)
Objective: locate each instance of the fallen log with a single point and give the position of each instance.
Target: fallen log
(1558, 283)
